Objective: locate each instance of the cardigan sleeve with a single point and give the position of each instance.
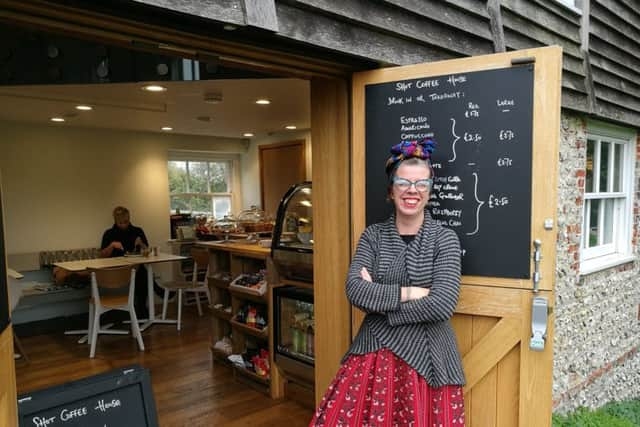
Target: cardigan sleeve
(439, 305)
(369, 296)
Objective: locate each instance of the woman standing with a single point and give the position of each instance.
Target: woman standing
(403, 367)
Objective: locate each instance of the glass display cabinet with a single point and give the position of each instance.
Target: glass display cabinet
(292, 245)
(294, 331)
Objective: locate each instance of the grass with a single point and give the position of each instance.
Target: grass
(614, 414)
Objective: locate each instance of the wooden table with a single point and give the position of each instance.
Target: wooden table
(122, 261)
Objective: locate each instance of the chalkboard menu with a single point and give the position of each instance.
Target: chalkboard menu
(122, 398)
(482, 124)
(4, 298)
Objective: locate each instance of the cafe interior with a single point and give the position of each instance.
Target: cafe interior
(214, 164)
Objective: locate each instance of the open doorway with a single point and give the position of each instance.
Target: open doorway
(72, 152)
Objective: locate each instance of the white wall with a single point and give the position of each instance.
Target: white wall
(250, 164)
(60, 184)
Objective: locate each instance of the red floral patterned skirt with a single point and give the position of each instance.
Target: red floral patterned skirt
(380, 389)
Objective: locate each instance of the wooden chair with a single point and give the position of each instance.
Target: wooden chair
(112, 279)
(197, 285)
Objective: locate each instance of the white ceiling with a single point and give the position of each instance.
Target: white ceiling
(126, 106)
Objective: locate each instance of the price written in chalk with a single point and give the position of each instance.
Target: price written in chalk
(505, 162)
(506, 135)
(472, 137)
(497, 201)
(473, 111)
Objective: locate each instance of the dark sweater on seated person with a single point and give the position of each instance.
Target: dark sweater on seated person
(127, 237)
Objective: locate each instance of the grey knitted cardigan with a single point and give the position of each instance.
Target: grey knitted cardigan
(418, 331)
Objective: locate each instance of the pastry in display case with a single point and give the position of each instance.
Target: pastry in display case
(225, 226)
(254, 220)
(292, 246)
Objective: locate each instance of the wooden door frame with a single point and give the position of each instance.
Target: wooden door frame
(8, 393)
(261, 148)
(331, 145)
(477, 297)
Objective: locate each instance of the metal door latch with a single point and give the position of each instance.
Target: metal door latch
(539, 314)
(537, 256)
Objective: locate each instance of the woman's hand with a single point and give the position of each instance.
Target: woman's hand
(409, 293)
(365, 275)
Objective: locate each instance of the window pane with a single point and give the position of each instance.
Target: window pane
(201, 205)
(617, 167)
(179, 204)
(593, 223)
(604, 165)
(590, 150)
(219, 177)
(222, 206)
(198, 177)
(608, 221)
(177, 177)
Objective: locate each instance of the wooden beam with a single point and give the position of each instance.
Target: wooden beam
(331, 225)
(261, 14)
(520, 33)
(320, 30)
(489, 301)
(486, 354)
(419, 20)
(216, 10)
(497, 32)
(536, 373)
(541, 17)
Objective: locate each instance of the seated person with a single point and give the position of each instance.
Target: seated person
(122, 238)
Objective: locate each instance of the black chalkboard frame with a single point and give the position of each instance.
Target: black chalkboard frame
(30, 404)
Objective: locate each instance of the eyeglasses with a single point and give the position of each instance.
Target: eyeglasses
(421, 185)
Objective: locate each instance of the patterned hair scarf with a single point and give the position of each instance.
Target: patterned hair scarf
(420, 149)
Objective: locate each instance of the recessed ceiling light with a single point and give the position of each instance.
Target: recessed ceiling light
(263, 102)
(57, 119)
(167, 128)
(229, 27)
(154, 88)
(291, 127)
(248, 134)
(84, 107)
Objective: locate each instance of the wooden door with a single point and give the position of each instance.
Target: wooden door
(281, 166)
(507, 383)
(8, 400)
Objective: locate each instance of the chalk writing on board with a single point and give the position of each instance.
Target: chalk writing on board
(122, 398)
(456, 138)
(480, 203)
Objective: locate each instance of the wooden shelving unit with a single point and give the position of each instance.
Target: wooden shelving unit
(221, 314)
(262, 334)
(219, 355)
(219, 283)
(236, 259)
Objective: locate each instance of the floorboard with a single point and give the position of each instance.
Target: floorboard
(189, 389)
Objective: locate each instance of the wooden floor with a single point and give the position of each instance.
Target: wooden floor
(189, 390)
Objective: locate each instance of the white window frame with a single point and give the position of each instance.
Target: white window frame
(619, 251)
(232, 162)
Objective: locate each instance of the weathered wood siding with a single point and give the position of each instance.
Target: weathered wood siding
(614, 54)
(601, 45)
